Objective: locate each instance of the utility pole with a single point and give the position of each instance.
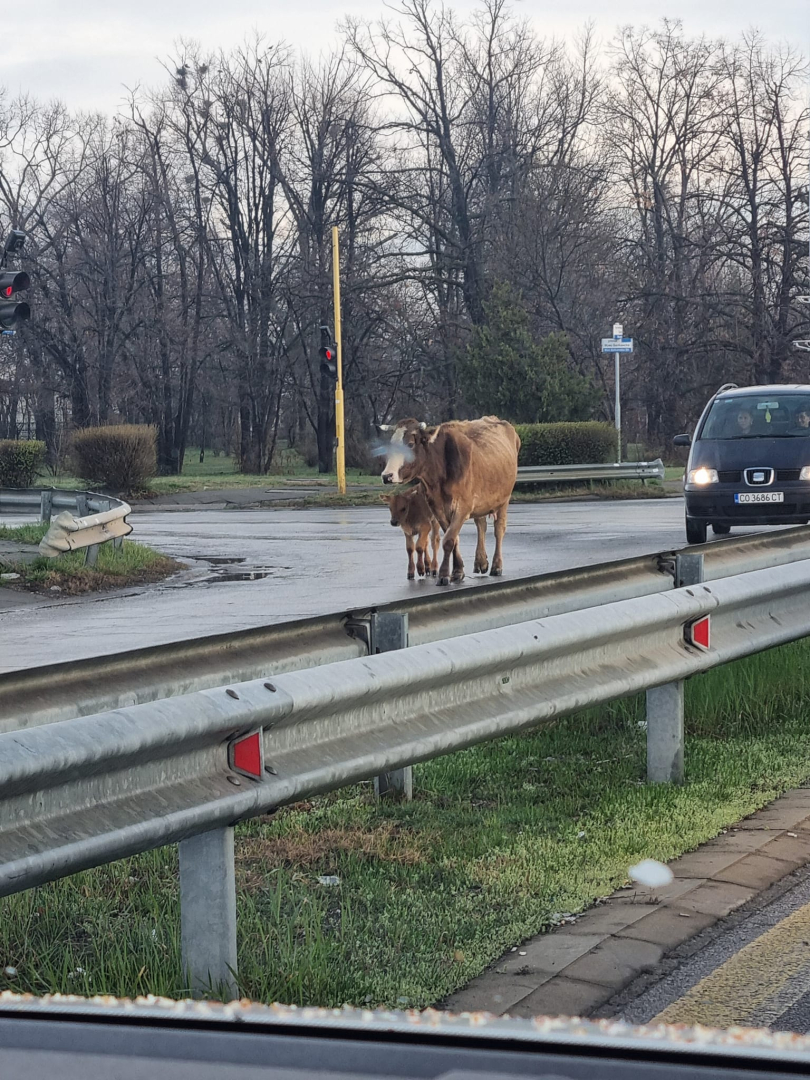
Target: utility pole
(340, 434)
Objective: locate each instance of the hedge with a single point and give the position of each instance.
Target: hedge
(121, 457)
(586, 443)
(20, 462)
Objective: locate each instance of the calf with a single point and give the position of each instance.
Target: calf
(410, 511)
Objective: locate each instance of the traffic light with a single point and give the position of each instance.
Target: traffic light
(13, 311)
(328, 353)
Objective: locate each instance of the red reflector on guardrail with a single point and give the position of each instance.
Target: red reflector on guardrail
(699, 633)
(246, 755)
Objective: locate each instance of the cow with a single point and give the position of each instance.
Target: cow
(468, 469)
(410, 511)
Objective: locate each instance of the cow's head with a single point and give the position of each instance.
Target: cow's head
(402, 455)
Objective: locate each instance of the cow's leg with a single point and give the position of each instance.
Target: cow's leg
(500, 529)
(409, 546)
(421, 547)
(481, 562)
(435, 536)
(450, 546)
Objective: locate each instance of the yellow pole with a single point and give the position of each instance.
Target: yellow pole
(340, 436)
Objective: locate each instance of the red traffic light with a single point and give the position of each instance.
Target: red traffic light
(328, 354)
(12, 281)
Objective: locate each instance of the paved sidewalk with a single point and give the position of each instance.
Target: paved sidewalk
(576, 968)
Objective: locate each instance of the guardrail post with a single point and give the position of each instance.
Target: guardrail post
(91, 555)
(208, 914)
(46, 506)
(665, 703)
(388, 631)
(82, 508)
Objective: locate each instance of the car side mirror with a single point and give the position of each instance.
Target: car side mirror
(683, 440)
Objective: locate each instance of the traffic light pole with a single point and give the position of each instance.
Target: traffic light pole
(340, 437)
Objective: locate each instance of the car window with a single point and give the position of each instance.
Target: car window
(767, 416)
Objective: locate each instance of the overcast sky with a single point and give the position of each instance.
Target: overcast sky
(86, 53)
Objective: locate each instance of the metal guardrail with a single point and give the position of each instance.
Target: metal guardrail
(564, 474)
(53, 692)
(88, 519)
(81, 792)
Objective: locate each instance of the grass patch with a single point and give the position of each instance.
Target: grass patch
(499, 841)
(133, 564)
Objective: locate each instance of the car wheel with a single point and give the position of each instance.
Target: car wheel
(695, 531)
(721, 530)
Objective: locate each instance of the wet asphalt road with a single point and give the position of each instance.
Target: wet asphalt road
(315, 561)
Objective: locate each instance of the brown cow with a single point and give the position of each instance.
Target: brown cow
(468, 469)
(410, 511)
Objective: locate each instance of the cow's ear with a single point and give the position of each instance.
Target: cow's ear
(382, 429)
(386, 498)
(427, 434)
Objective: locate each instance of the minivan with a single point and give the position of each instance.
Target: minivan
(749, 462)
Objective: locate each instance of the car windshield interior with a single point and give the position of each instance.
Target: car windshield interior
(771, 416)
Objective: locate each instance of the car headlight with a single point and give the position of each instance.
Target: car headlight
(702, 476)
(805, 473)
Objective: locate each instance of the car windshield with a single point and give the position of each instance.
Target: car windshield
(769, 416)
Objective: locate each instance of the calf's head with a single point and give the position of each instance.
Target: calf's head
(398, 505)
(405, 450)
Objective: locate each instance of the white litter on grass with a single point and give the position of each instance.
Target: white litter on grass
(10, 971)
(651, 872)
(641, 724)
(580, 836)
(329, 879)
(9, 577)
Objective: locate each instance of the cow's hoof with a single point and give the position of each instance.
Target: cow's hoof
(481, 569)
(434, 573)
(410, 577)
(496, 571)
(443, 581)
(457, 576)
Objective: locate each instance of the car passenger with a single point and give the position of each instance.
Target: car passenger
(801, 421)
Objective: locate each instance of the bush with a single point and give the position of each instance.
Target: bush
(20, 462)
(121, 457)
(586, 443)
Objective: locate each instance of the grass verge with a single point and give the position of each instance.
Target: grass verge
(499, 842)
(134, 564)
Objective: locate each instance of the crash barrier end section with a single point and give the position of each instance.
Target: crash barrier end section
(87, 521)
(70, 533)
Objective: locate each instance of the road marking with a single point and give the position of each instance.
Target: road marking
(752, 983)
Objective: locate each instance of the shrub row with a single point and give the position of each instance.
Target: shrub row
(20, 462)
(587, 443)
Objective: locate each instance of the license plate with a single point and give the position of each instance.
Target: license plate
(760, 497)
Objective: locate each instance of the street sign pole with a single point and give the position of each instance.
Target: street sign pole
(617, 408)
(340, 437)
(617, 345)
